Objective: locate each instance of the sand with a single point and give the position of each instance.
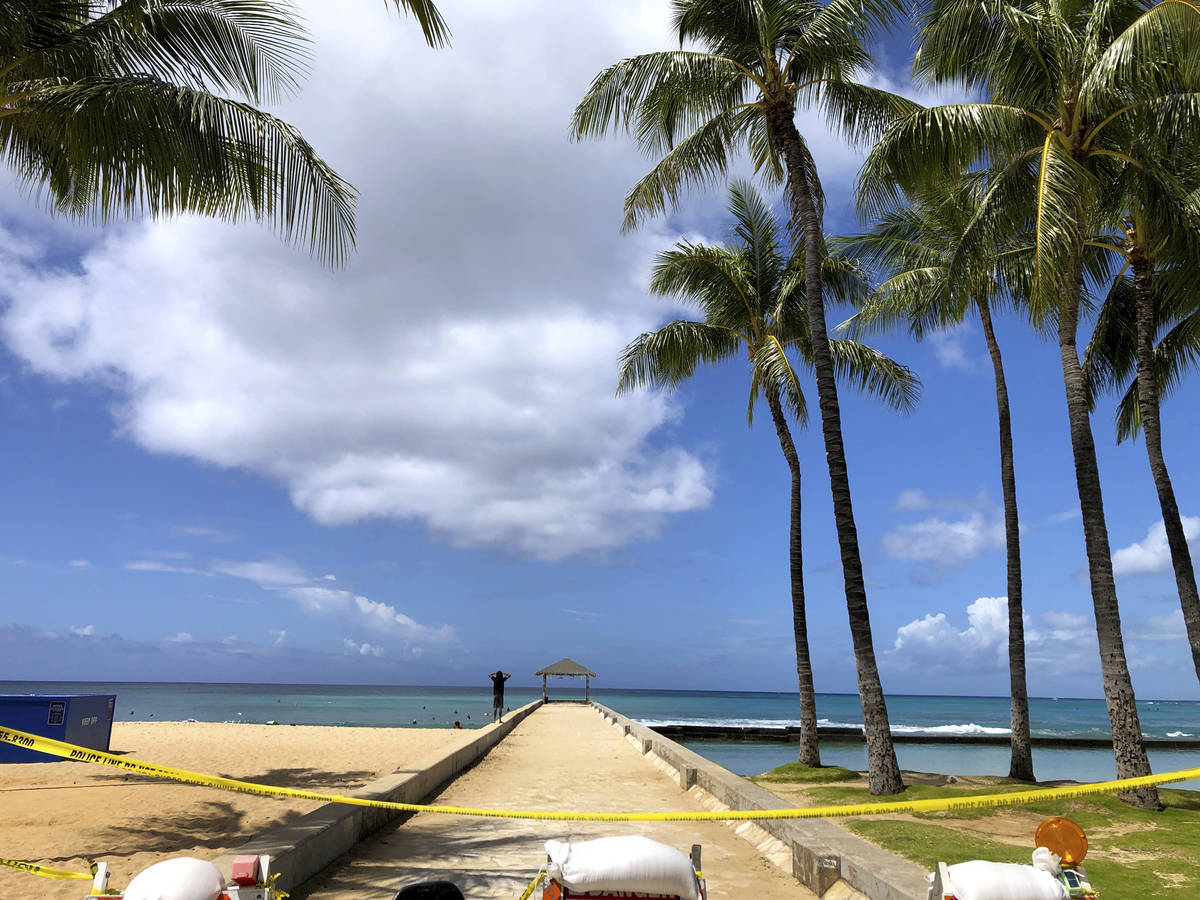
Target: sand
(55, 814)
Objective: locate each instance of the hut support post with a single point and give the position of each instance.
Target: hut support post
(544, 697)
(587, 688)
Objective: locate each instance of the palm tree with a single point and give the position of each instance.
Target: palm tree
(914, 246)
(758, 60)
(752, 299)
(106, 111)
(1159, 244)
(1068, 87)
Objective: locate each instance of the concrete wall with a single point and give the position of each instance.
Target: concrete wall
(822, 853)
(304, 847)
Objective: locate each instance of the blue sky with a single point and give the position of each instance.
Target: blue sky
(225, 463)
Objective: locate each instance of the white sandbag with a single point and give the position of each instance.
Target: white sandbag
(1047, 860)
(630, 863)
(980, 880)
(183, 878)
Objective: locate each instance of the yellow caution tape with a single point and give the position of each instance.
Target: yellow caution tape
(537, 879)
(83, 754)
(44, 871)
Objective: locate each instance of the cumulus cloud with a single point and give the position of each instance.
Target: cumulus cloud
(945, 542)
(932, 643)
(82, 630)
(180, 637)
(460, 372)
(364, 649)
(80, 564)
(1152, 555)
(1062, 644)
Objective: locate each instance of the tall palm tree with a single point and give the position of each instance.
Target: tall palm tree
(107, 110)
(1068, 85)
(914, 246)
(697, 108)
(751, 296)
(1160, 246)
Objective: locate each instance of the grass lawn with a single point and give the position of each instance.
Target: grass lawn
(1131, 853)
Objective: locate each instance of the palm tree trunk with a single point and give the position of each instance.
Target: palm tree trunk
(1147, 394)
(1020, 764)
(810, 751)
(883, 772)
(1128, 748)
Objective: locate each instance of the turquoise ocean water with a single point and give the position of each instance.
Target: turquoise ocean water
(440, 707)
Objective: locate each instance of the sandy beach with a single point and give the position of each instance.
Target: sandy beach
(55, 814)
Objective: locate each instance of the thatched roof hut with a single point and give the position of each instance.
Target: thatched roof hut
(567, 668)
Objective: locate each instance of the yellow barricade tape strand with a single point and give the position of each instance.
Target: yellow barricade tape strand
(83, 754)
(44, 871)
(537, 879)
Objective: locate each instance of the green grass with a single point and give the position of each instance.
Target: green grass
(794, 773)
(1132, 853)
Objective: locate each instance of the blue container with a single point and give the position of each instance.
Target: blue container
(83, 719)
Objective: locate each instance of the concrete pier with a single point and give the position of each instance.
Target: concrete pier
(563, 757)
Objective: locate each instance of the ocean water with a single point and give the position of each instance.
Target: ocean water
(440, 707)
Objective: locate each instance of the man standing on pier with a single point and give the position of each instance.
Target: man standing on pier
(498, 678)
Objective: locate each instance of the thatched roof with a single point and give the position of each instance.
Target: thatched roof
(566, 666)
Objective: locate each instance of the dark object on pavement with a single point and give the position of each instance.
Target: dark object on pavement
(430, 890)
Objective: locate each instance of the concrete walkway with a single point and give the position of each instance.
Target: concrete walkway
(566, 758)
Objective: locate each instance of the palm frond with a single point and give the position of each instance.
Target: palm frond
(681, 85)
(433, 26)
(858, 112)
(107, 147)
(876, 373)
(700, 159)
(669, 356)
(1111, 353)
(923, 147)
(773, 369)
(1143, 60)
(716, 279)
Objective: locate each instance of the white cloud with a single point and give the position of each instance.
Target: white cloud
(278, 636)
(267, 573)
(1152, 555)
(460, 372)
(1065, 646)
(151, 565)
(80, 564)
(945, 542)
(949, 347)
(1161, 629)
(204, 532)
(933, 643)
(181, 637)
(82, 630)
(1067, 515)
(350, 648)
(916, 499)
(286, 578)
(1065, 626)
